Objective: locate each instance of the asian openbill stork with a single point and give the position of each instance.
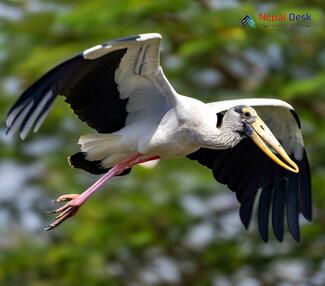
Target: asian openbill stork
(119, 89)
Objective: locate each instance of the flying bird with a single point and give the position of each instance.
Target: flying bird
(119, 89)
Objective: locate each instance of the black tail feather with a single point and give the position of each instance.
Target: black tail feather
(79, 160)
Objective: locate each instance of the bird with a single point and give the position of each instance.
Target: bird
(119, 89)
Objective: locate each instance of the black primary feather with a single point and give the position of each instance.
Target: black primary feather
(305, 188)
(246, 170)
(89, 87)
(264, 212)
(292, 210)
(278, 210)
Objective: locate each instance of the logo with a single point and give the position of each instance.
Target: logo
(285, 20)
(278, 20)
(248, 21)
(285, 17)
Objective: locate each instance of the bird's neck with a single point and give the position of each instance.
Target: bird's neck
(220, 138)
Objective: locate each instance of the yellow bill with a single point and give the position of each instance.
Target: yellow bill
(265, 140)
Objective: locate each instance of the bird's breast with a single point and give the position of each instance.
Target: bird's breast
(169, 143)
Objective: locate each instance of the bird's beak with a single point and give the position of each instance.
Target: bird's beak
(266, 141)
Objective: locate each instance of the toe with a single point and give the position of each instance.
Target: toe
(64, 212)
(58, 210)
(67, 197)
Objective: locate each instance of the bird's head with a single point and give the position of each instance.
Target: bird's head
(245, 122)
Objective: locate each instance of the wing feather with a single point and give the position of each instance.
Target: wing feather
(278, 209)
(98, 84)
(247, 171)
(292, 210)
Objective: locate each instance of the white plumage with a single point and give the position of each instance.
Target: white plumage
(119, 89)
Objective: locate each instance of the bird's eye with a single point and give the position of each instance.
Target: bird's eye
(247, 114)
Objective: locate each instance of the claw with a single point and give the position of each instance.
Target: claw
(64, 212)
(50, 212)
(48, 228)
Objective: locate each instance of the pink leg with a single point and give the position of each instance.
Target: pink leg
(76, 201)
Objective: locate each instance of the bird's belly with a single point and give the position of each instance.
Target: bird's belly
(173, 145)
(168, 151)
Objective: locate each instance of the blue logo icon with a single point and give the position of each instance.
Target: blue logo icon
(248, 21)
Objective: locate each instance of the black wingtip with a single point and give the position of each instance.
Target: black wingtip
(278, 207)
(296, 236)
(292, 209)
(245, 213)
(264, 212)
(264, 234)
(305, 188)
(308, 217)
(307, 213)
(264, 237)
(278, 234)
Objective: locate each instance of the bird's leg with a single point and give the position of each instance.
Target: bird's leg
(76, 201)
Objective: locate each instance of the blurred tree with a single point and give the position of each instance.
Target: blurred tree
(155, 227)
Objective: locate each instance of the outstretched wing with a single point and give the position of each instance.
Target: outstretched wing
(246, 170)
(103, 85)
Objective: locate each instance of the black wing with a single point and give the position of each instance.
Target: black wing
(85, 84)
(97, 84)
(246, 170)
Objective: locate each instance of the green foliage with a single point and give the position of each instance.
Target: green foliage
(141, 225)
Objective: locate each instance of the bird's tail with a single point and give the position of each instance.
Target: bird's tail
(79, 161)
(99, 152)
(100, 146)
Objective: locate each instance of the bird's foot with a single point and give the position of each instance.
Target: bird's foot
(75, 201)
(66, 211)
